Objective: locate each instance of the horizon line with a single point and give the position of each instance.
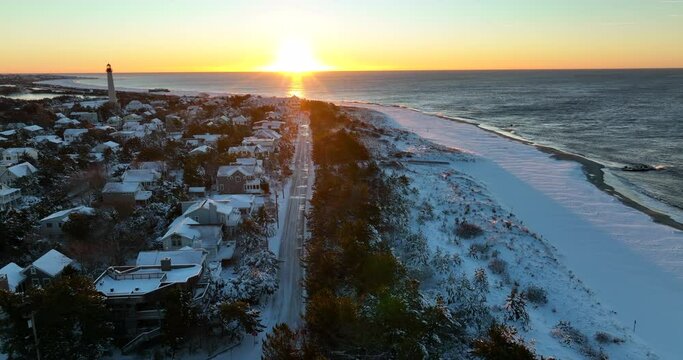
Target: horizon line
(349, 71)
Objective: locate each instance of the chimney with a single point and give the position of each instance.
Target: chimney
(166, 264)
(4, 282)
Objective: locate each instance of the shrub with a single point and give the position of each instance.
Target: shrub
(536, 295)
(479, 251)
(604, 338)
(502, 342)
(498, 266)
(467, 230)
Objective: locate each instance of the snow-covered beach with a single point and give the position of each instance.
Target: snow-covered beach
(633, 265)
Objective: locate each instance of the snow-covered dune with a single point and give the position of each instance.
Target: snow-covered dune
(634, 265)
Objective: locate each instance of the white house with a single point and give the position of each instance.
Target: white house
(15, 172)
(51, 139)
(9, 197)
(111, 145)
(142, 176)
(51, 225)
(72, 135)
(13, 155)
(240, 120)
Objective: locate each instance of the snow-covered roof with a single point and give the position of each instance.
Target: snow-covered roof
(140, 175)
(8, 133)
(141, 280)
(206, 204)
(49, 138)
(33, 128)
(240, 201)
(14, 275)
(208, 137)
(196, 189)
(75, 132)
(201, 149)
(19, 151)
(178, 257)
(4, 191)
(62, 214)
(183, 226)
(52, 262)
(23, 169)
(229, 170)
(143, 195)
(121, 187)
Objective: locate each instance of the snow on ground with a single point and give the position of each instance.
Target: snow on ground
(592, 254)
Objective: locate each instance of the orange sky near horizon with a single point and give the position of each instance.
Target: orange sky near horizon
(79, 36)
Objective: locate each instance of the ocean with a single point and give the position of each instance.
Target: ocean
(612, 117)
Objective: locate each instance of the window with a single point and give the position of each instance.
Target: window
(33, 270)
(46, 282)
(49, 225)
(35, 282)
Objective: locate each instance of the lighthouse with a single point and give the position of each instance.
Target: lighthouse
(110, 86)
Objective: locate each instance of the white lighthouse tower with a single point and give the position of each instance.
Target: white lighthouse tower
(110, 86)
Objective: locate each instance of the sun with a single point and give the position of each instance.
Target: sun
(295, 56)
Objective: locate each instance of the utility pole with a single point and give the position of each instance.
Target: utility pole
(32, 325)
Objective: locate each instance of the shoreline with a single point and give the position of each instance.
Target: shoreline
(594, 170)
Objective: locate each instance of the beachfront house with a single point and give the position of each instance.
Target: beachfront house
(38, 274)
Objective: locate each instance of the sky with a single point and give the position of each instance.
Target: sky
(73, 36)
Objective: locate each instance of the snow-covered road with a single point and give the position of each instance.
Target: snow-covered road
(286, 305)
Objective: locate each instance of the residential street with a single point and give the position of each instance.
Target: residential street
(286, 305)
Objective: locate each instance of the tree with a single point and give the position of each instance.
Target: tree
(180, 316)
(70, 318)
(515, 304)
(238, 317)
(79, 225)
(502, 343)
(283, 344)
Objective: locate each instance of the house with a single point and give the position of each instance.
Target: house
(245, 203)
(239, 179)
(187, 232)
(203, 149)
(209, 212)
(72, 135)
(14, 155)
(268, 125)
(51, 225)
(240, 120)
(90, 117)
(124, 194)
(136, 294)
(44, 270)
(268, 145)
(12, 278)
(9, 197)
(115, 121)
(111, 145)
(196, 192)
(141, 176)
(207, 139)
(245, 150)
(8, 133)
(50, 139)
(13, 173)
(267, 134)
(33, 130)
(64, 121)
(186, 256)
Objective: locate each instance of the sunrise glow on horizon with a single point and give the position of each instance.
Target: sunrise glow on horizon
(78, 36)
